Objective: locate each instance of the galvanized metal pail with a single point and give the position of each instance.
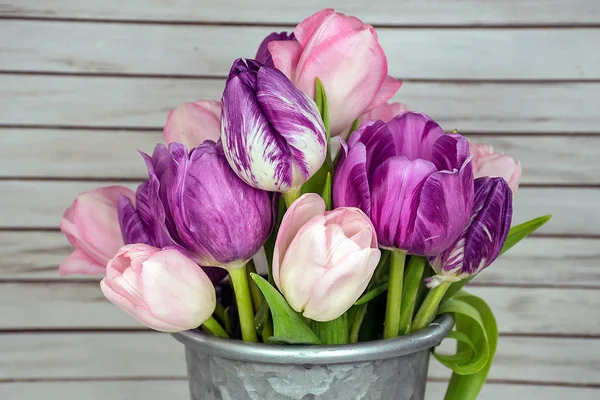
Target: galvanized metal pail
(394, 369)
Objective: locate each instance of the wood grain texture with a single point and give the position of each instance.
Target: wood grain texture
(178, 389)
(154, 355)
(40, 204)
(75, 305)
(145, 102)
(113, 154)
(389, 12)
(535, 261)
(182, 50)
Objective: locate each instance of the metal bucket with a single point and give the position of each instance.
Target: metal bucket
(394, 369)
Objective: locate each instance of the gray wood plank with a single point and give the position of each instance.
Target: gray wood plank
(153, 355)
(74, 305)
(406, 12)
(113, 154)
(210, 50)
(535, 261)
(178, 389)
(145, 102)
(40, 204)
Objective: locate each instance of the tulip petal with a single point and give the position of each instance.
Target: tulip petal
(79, 263)
(307, 27)
(152, 212)
(396, 188)
(193, 123)
(133, 229)
(285, 56)
(444, 210)
(384, 112)
(414, 135)
(295, 117)
(355, 225)
(259, 155)
(263, 54)
(388, 90)
(344, 284)
(350, 181)
(300, 212)
(177, 290)
(450, 152)
(378, 141)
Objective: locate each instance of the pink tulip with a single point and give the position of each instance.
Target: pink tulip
(193, 123)
(384, 112)
(488, 163)
(91, 224)
(162, 289)
(345, 54)
(323, 260)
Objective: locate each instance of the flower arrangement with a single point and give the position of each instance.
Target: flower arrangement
(371, 217)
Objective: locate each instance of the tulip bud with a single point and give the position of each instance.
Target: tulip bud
(411, 179)
(272, 133)
(480, 244)
(345, 54)
(384, 112)
(162, 289)
(91, 224)
(323, 260)
(192, 123)
(263, 55)
(488, 163)
(195, 202)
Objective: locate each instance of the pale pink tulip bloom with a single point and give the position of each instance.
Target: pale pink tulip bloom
(91, 224)
(193, 123)
(162, 289)
(345, 54)
(324, 260)
(488, 163)
(384, 112)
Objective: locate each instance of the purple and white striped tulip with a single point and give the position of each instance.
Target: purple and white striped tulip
(196, 203)
(411, 179)
(272, 133)
(480, 244)
(263, 55)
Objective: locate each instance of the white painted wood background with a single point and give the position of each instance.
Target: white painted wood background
(83, 84)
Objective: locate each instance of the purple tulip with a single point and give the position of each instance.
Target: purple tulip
(196, 203)
(411, 179)
(480, 244)
(272, 133)
(263, 55)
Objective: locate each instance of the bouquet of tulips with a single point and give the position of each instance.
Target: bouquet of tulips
(371, 217)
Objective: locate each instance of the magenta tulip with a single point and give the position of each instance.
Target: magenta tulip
(162, 289)
(192, 123)
(91, 224)
(323, 260)
(345, 54)
(411, 179)
(488, 163)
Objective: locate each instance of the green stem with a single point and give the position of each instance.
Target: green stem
(394, 297)
(359, 317)
(412, 279)
(332, 332)
(214, 327)
(429, 307)
(243, 298)
(290, 196)
(267, 331)
(255, 293)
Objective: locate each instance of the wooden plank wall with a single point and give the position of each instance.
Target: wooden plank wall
(84, 84)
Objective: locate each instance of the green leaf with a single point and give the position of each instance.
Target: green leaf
(261, 316)
(467, 387)
(356, 316)
(520, 232)
(269, 245)
(288, 326)
(468, 322)
(326, 195)
(332, 332)
(462, 356)
(321, 100)
(370, 295)
(354, 126)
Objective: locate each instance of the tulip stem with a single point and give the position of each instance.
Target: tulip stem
(243, 298)
(214, 327)
(290, 196)
(412, 281)
(332, 332)
(430, 305)
(394, 296)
